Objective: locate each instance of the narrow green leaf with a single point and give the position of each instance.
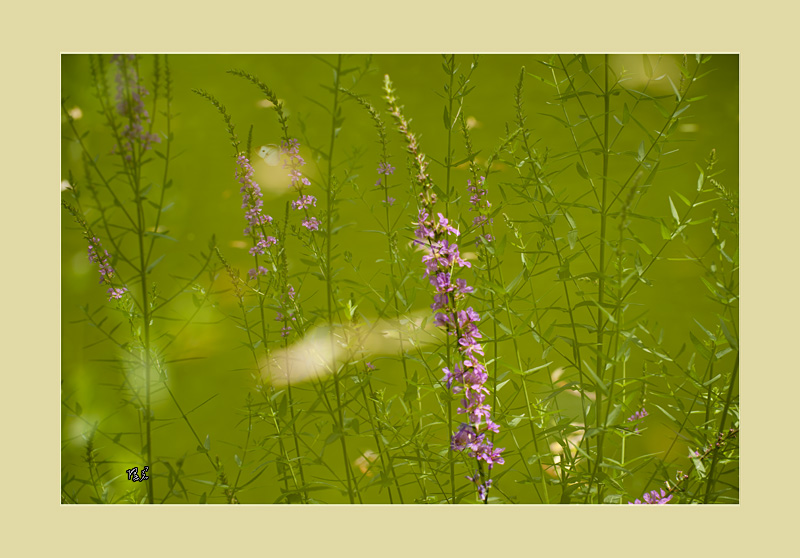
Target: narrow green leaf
(159, 235)
(731, 339)
(648, 69)
(570, 220)
(572, 238)
(155, 263)
(598, 382)
(665, 234)
(698, 345)
(684, 199)
(674, 211)
(675, 89)
(669, 416)
(712, 380)
(582, 171)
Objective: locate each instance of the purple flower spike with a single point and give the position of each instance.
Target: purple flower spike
(130, 94)
(290, 149)
(442, 260)
(252, 203)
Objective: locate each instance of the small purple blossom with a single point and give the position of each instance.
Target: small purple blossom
(105, 269)
(290, 149)
(253, 273)
(441, 320)
(389, 201)
(483, 489)
(638, 415)
(116, 293)
(653, 498)
(385, 168)
(464, 436)
(262, 244)
(445, 226)
(304, 201)
(463, 288)
(478, 201)
(311, 224)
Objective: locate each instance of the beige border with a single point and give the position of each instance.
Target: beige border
(33, 37)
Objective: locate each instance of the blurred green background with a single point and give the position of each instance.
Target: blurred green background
(206, 202)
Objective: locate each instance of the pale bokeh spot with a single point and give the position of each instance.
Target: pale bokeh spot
(365, 461)
(76, 113)
(314, 357)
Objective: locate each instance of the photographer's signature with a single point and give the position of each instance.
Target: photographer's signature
(133, 474)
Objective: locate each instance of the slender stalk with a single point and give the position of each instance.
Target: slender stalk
(328, 278)
(600, 364)
(723, 418)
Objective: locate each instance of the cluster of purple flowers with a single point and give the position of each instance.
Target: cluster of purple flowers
(252, 200)
(478, 201)
(105, 269)
(116, 293)
(252, 203)
(654, 498)
(387, 169)
(290, 149)
(469, 375)
(130, 104)
(253, 273)
(261, 247)
(304, 201)
(287, 307)
(638, 415)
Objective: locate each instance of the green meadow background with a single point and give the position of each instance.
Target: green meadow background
(210, 358)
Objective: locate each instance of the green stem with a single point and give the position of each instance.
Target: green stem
(600, 364)
(715, 459)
